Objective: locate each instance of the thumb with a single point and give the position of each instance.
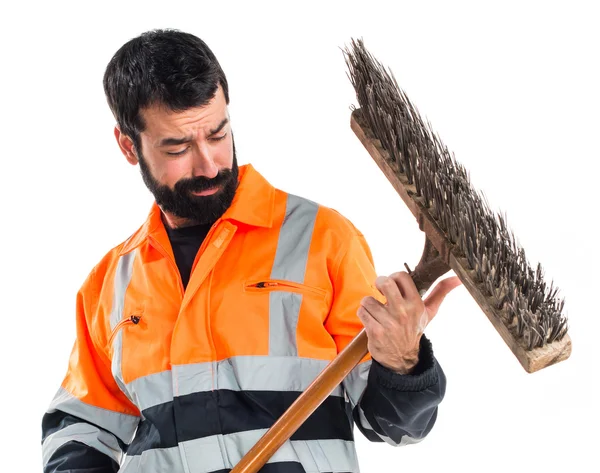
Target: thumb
(438, 293)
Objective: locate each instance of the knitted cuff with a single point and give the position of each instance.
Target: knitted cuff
(423, 376)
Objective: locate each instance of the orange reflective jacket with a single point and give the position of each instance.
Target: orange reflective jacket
(162, 379)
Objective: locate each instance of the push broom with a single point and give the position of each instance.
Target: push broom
(462, 234)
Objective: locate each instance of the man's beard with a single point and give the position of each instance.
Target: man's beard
(183, 204)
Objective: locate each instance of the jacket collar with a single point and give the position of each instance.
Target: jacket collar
(253, 204)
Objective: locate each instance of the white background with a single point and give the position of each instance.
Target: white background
(511, 88)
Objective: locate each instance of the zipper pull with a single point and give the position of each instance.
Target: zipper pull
(134, 319)
(264, 284)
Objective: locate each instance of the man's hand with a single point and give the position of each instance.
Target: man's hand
(394, 329)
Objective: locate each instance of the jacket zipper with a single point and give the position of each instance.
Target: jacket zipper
(214, 365)
(134, 319)
(278, 284)
(204, 244)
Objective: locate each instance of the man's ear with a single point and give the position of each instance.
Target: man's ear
(126, 145)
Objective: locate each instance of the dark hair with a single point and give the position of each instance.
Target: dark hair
(167, 67)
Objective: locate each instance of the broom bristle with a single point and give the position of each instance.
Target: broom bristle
(501, 270)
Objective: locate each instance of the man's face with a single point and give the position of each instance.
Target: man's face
(187, 160)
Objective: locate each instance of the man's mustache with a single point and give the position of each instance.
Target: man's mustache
(201, 183)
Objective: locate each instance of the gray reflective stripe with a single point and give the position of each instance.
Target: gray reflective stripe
(290, 262)
(116, 365)
(122, 278)
(184, 462)
(294, 239)
(406, 440)
(240, 373)
(219, 452)
(151, 390)
(314, 455)
(356, 382)
(284, 309)
(121, 425)
(87, 434)
(247, 373)
(365, 423)
(354, 386)
(158, 460)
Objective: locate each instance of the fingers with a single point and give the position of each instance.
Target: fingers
(405, 314)
(373, 328)
(401, 295)
(389, 288)
(406, 285)
(373, 310)
(397, 308)
(439, 292)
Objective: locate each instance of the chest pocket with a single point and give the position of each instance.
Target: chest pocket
(289, 304)
(266, 285)
(133, 319)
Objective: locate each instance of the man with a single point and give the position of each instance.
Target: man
(198, 332)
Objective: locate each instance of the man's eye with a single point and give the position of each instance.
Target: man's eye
(218, 138)
(178, 153)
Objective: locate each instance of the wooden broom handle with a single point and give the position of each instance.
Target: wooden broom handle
(304, 406)
(427, 271)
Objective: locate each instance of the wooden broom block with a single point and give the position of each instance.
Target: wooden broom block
(531, 360)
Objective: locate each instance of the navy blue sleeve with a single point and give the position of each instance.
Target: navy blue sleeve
(401, 408)
(74, 456)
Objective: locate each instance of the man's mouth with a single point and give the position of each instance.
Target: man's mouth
(210, 191)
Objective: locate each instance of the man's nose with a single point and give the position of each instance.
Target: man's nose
(203, 163)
